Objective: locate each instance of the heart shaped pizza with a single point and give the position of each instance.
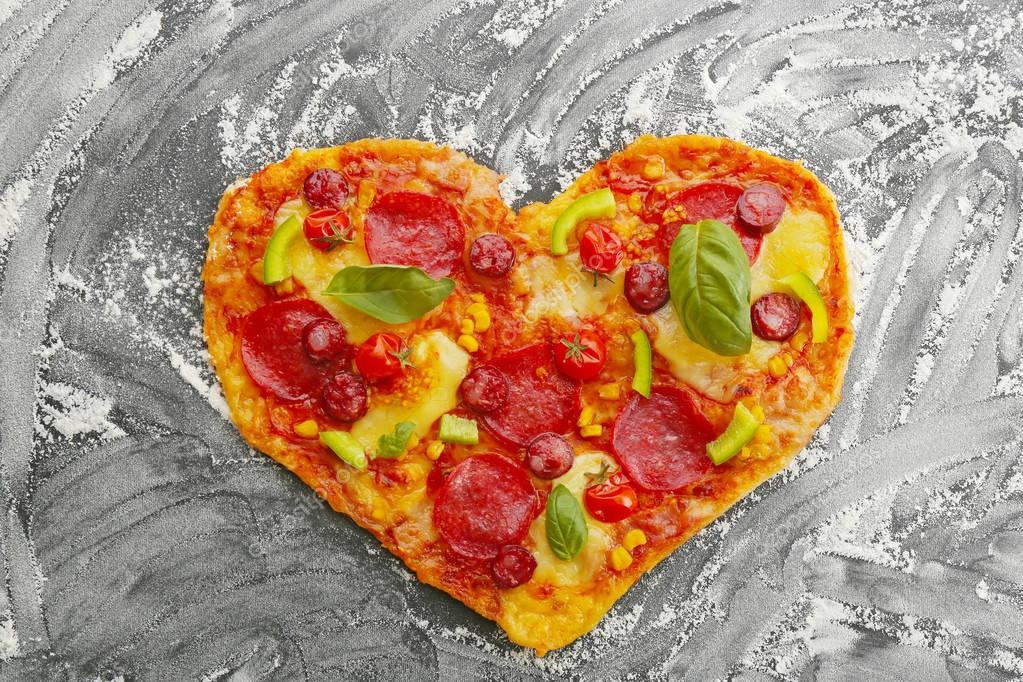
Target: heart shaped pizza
(530, 410)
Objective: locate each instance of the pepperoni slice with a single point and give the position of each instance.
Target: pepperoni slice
(775, 316)
(760, 207)
(661, 442)
(539, 397)
(712, 201)
(409, 228)
(274, 353)
(486, 502)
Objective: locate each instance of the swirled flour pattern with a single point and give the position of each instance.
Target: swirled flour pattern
(142, 540)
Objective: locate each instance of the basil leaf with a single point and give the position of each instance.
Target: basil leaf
(392, 445)
(390, 293)
(566, 525)
(709, 280)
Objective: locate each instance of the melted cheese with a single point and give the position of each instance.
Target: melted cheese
(561, 288)
(442, 366)
(314, 269)
(578, 571)
(800, 243)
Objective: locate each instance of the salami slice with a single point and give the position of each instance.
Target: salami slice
(661, 441)
(712, 201)
(273, 352)
(410, 228)
(486, 502)
(539, 399)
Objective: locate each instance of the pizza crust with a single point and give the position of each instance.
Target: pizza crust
(552, 614)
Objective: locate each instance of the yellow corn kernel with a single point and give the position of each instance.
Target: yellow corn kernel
(799, 340)
(478, 297)
(758, 412)
(477, 307)
(633, 539)
(434, 449)
(285, 287)
(468, 326)
(777, 368)
(413, 441)
(763, 434)
(256, 271)
(787, 359)
(610, 392)
(307, 429)
(481, 319)
(654, 169)
(673, 214)
(591, 431)
(469, 343)
(620, 558)
(585, 416)
(635, 202)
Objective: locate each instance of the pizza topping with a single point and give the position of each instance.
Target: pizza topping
(711, 201)
(803, 287)
(661, 441)
(492, 255)
(455, 429)
(325, 339)
(327, 228)
(393, 294)
(565, 524)
(549, 455)
(775, 316)
(539, 398)
(382, 357)
(646, 286)
(513, 566)
(582, 356)
(709, 279)
(600, 250)
(739, 432)
(643, 359)
(345, 397)
(592, 206)
(344, 445)
(611, 501)
(760, 207)
(276, 264)
(410, 228)
(325, 188)
(485, 503)
(273, 351)
(392, 445)
(485, 389)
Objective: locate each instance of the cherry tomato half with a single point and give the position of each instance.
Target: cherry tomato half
(611, 502)
(382, 356)
(327, 228)
(580, 357)
(600, 249)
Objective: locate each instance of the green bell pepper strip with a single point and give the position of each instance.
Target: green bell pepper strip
(591, 206)
(643, 359)
(454, 429)
(276, 264)
(344, 445)
(740, 431)
(803, 287)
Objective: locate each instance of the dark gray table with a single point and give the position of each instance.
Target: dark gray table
(141, 538)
